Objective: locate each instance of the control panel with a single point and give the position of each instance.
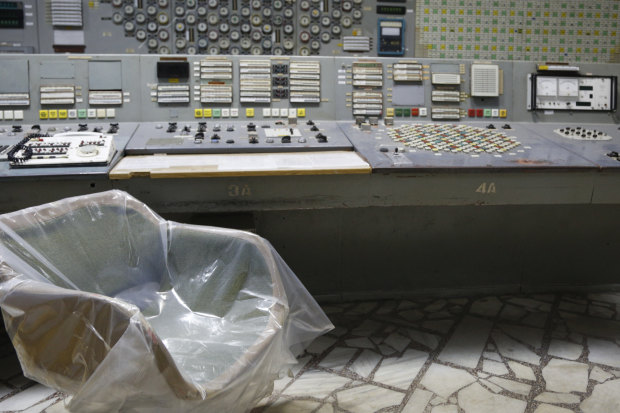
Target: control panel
(547, 30)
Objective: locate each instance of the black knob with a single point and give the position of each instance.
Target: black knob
(310, 122)
(506, 126)
(321, 138)
(82, 127)
(37, 127)
(199, 135)
(17, 128)
(253, 139)
(314, 129)
(230, 141)
(97, 129)
(202, 126)
(491, 126)
(286, 139)
(251, 127)
(215, 137)
(613, 154)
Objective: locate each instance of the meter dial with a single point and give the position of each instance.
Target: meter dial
(546, 86)
(568, 87)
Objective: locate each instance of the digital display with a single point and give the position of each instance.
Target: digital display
(173, 70)
(11, 15)
(398, 10)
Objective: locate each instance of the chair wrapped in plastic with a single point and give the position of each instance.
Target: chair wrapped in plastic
(106, 301)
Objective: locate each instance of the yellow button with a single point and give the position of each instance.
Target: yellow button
(53, 114)
(207, 113)
(249, 113)
(43, 114)
(198, 113)
(62, 114)
(389, 112)
(301, 112)
(503, 113)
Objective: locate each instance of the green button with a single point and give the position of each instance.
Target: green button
(82, 113)
(217, 113)
(398, 112)
(487, 113)
(406, 112)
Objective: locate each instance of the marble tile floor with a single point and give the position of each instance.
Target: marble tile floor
(538, 353)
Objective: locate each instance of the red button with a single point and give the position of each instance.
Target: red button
(479, 113)
(471, 113)
(415, 111)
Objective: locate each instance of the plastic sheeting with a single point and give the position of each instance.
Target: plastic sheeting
(105, 300)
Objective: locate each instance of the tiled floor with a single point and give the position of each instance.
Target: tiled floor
(536, 354)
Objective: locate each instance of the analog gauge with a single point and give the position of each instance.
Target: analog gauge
(267, 44)
(191, 50)
(202, 27)
(357, 14)
(130, 26)
(151, 27)
(336, 30)
(152, 43)
(162, 3)
(256, 20)
(163, 35)
(267, 28)
(246, 44)
(315, 45)
(179, 26)
(162, 18)
(140, 18)
(151, 10)
(336, 14)
(304, 51)
(347, 22)
(325, 21)
(164, 50)
(278, 51)
(213, 50)
(117, 3)
(245, 28)
(191, 19)
(201, 11)
(256, 36)
(305, 5)
(304, 21)
(347, 6)
(117, 18)
(129, 9)
(245, 11)
(213, 3)
(277, 20)
(224, 27)
(202, 42)
(325, 37)
(213, 19)
(288, 13)
(235, 35)
(256, 51)
(180, 43)
(304, 37)
(190, 3)
(568, 87)
(288, 44)
(266, 12)
(235, 50)
(277, 4)
(213, 35)
(257, 4)
(179, 10)
(315, 13)
(546, 86)
(315, 29)
(141, 35)
(224, 43)
(224, 11)
(288, 29)
(234, 19)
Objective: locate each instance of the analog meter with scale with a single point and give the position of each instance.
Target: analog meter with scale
(562, 92)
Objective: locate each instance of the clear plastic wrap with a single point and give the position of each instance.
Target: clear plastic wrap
(105, 300)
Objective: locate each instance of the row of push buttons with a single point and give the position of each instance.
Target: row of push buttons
(405, 112)
(77, 113)
(249, 112)
(487, 113)
(12, 115)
